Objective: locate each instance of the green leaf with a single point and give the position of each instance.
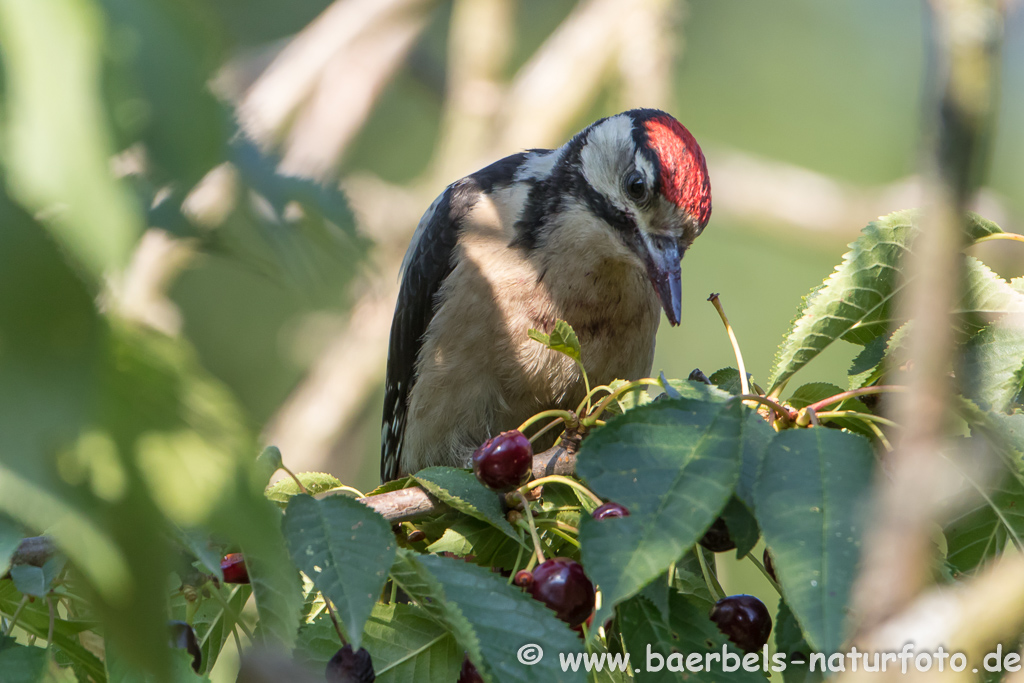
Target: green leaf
(35, 620)
(993, 370)
(696, 633)
(121, 670)
(404, 644)
(213, 624)
(789, 640)
(810, 499)
(673, 464)
(490, 620)
(728, 379)
(642, 626)
(741, 525)
(21, 664)
(469, 536)
(10, 538)
(315, 482)
(463, 491)
(346, 549)
(562, 339)
(757, 434)
(56, 163)
(269, 461)
(36, 581)
(980, 533)
(855, 302)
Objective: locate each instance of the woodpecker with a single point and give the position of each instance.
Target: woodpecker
(591, 233)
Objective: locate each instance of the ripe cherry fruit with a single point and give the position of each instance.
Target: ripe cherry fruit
(233, 566)
(350, 666)
(716, 538)
(744, 619)
(504, 462)
(561, 585)
(609, 510)
(469, 674)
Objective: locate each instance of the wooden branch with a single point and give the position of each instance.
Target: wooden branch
(414, 503)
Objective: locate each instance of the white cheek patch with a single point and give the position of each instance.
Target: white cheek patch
(606, 155)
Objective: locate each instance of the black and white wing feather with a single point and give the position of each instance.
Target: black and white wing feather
(429, 260)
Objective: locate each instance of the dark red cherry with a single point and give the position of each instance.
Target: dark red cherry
(744, 620)
(504, 462)
(350, 666)
(184, 638)
(233, 566)
(610, 510)
(716, 538)
(469, 674)
(561, 585)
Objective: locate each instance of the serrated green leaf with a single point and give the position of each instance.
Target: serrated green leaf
(315, 482)
(855, 302)
(673, 464)
(404, 643)
(562, 339)
(981, 532)
(993, 369)
(463, 491)
(642, 625)
(757, 434)
(346, 549)
(728, 379)
(489, 619)
(810, 500)
(35, 620)
(470, 536)
(696, 633)
(213, 624)
(20, 664)
(789, 640)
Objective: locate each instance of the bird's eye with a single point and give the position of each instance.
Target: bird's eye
(636, 186)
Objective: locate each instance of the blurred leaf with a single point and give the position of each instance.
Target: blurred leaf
(36, 581)
(673, 464)
(255, 522)
(269, 461)
(120, 669)
(160, 61)
(855, 302)
(643, 628)
(21, 664)
(810, 499)
(315, 482)
(562, 339)
(979, 533)
(10, 538)
(346, 549)
(35, 619)
(489, 618)
(789, 640)
(405, 644)
(463, 491)
(213, 624)
(57, 163)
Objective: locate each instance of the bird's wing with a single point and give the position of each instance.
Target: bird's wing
(429, 260)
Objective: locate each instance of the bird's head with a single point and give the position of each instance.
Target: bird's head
(644, 176)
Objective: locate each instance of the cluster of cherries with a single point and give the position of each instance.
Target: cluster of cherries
(504, 463)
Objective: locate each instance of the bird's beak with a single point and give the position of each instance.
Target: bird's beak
(663, 259)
